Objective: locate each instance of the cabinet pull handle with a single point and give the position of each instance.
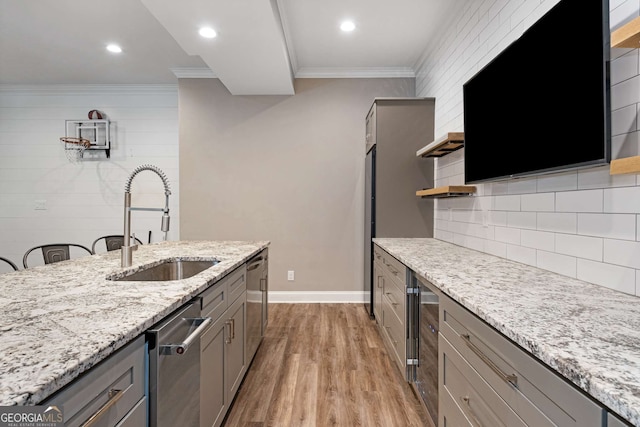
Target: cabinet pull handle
(392, 301)
(114, 396)
(509, 378)
(392, 270)
(228, 338)
(233, 328)
(466, 408)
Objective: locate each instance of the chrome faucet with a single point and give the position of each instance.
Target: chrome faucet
(127, 248)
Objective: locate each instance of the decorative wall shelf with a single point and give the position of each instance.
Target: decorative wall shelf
(449, 143)
(448, 191)
(628, 35)
(625, 165)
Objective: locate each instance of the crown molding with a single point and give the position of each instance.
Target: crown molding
(352, 73)
(69, 89)
(193, 73)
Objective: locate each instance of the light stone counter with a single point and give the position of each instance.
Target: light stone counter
(58, 320)
(587, 333)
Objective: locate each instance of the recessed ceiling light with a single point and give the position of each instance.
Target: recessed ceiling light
(114, 48)
(207, 32)
(347, 26)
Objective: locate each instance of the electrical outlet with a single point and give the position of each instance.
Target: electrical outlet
(290, 275)
(40, 205)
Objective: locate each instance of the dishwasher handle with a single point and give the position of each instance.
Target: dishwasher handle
(179, 349)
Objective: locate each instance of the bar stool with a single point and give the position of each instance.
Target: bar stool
(55, 252)
(8, 261)
(112, 242)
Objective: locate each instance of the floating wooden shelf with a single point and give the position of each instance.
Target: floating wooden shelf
(625, 165)
(449, 143)
(628, 35)
(448, 191)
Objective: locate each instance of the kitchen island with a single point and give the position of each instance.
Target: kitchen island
(588, 334)
(59, 320)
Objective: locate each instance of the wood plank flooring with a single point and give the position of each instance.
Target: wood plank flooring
(323, 365)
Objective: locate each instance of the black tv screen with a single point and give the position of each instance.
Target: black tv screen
(542, 104)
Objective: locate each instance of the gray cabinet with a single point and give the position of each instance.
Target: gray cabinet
(390, 295)
(112, 392)
(395, 129)
(486, 379)
(223, 359)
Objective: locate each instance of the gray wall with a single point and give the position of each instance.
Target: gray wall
(289, 169)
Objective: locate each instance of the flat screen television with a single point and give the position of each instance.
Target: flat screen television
(542, 104)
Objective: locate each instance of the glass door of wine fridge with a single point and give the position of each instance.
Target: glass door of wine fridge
(422, 365)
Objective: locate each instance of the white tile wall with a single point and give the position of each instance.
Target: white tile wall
(83, 200)
(583, 224)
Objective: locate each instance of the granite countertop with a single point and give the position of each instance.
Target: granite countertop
(58, 320)
(587, 333)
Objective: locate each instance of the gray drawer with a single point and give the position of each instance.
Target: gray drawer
(98, 388)
(394, 333)
(396, 270)
(540, 397)
(137, 417)
(217, 298)
(237, 283)
(477, 402)
(394, 296)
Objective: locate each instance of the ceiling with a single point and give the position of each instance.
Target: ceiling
(261, 46)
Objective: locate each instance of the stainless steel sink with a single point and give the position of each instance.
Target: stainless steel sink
(169, 270)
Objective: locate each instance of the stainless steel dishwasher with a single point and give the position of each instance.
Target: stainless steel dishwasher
(257, 301)
(174, 368)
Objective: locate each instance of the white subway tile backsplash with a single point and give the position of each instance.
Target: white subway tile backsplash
(539, 202)
(622, 200)
(600, 177)
(624, 67)
(538, 240)
(508, 235)
(586, 222)
(566, 181)
(579, 246)
(579, 201)
(496, 248)
(625, 145)
(522, 186)
(558, 263)
(498, 218)
(625, 93)
(506, 203)
(558, 222)
(622, 252)
(521, 254)
(611, 226)
(524, 220)
(610, 276)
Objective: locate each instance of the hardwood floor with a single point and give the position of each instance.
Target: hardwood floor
(323, 365)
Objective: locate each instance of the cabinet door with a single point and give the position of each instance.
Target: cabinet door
(378, 289)
(108, 391)
(213, 399)
(235, 362)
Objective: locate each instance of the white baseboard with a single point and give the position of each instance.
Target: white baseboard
(314, 297)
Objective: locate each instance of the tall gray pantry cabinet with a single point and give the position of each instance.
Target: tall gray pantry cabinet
(396, 128)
